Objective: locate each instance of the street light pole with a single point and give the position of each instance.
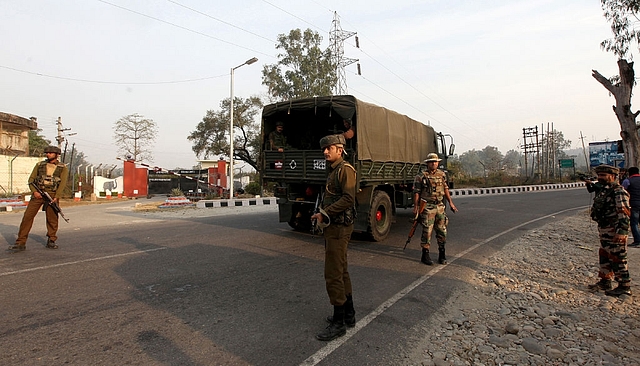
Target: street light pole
(248, 62)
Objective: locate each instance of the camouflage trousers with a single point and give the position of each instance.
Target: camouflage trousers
(612, 257)
(434, 218)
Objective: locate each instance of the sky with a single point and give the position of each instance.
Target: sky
(481, 71)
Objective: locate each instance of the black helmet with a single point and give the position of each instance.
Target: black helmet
(52, 149)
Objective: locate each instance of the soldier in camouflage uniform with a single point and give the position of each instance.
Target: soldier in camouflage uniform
(51, 176)
(611, 211)
(431, 187)
(277, 139)
(338, 210)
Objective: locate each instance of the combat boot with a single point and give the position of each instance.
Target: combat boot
(603, 284)
(15, 248)
(349, 313)
(336, 328)
(620, 290)
(442, 259)
(51, 244)
(426, 259)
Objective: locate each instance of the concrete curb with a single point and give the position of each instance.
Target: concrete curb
(514, 189)
(237, 202)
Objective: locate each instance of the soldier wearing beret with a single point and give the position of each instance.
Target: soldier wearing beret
(51, 176)
(611, 211)
(338, 208)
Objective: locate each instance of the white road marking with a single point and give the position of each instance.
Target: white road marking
(81, 261)
(325, 351)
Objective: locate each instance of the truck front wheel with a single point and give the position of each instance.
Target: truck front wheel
(380, 216)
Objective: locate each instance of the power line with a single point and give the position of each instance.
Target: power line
(184, 28)
(295, 16)
(113, 82)
(220, 20)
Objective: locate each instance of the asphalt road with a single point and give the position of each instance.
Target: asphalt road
(232, 286)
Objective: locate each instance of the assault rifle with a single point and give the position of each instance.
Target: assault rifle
(49, 201)
(416, 221)
(316, 209)
(585, 177)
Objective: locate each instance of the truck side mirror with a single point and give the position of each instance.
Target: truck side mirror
(452, 148)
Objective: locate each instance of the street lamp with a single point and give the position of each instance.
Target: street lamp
(248, 62)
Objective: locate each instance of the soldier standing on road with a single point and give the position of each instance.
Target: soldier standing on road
(431, 187)
(51, 176)
(338, 211)
(611, 211)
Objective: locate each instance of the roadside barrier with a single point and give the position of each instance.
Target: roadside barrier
(237, 202)
(10, 204)
(173, 202)
(514, 189)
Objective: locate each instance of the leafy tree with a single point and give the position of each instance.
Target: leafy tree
(37, 142)
(470, 161)
(622, 16)
(211, 137)
(134, 135)
(303, 69)
(491, 158)
(512, 160)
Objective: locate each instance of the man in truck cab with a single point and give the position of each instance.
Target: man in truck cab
(338, 212)
(277, 139)
(431, 187)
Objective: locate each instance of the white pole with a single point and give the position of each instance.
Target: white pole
(231, 138)
(231, 189)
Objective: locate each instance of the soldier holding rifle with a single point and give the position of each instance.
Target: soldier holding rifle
(50, 176)
(431, 187)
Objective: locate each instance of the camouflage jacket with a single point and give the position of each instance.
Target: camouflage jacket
(611, 208)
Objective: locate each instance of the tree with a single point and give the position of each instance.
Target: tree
(512, 160)
(491, 158)
(211, 137)
(303, 69)
(622, 15)
(470, 161)
(135, 136)
(37, 143)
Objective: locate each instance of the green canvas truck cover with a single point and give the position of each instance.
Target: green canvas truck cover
(382, 135)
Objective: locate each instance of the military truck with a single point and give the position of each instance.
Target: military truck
(387, 149)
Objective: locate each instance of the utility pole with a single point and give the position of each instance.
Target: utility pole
(531, 146)
(584, 151)
(60, 137)
(336, 44)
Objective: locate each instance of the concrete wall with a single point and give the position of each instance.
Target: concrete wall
(14, 176)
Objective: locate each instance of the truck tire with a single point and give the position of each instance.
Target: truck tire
(380, 216)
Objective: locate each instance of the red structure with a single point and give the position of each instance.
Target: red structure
(134, 180)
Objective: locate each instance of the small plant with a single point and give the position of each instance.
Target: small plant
(252, 188)
(176, 192)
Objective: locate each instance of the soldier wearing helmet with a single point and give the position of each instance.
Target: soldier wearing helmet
(339, 207)
(431, 187)
(51, 176)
